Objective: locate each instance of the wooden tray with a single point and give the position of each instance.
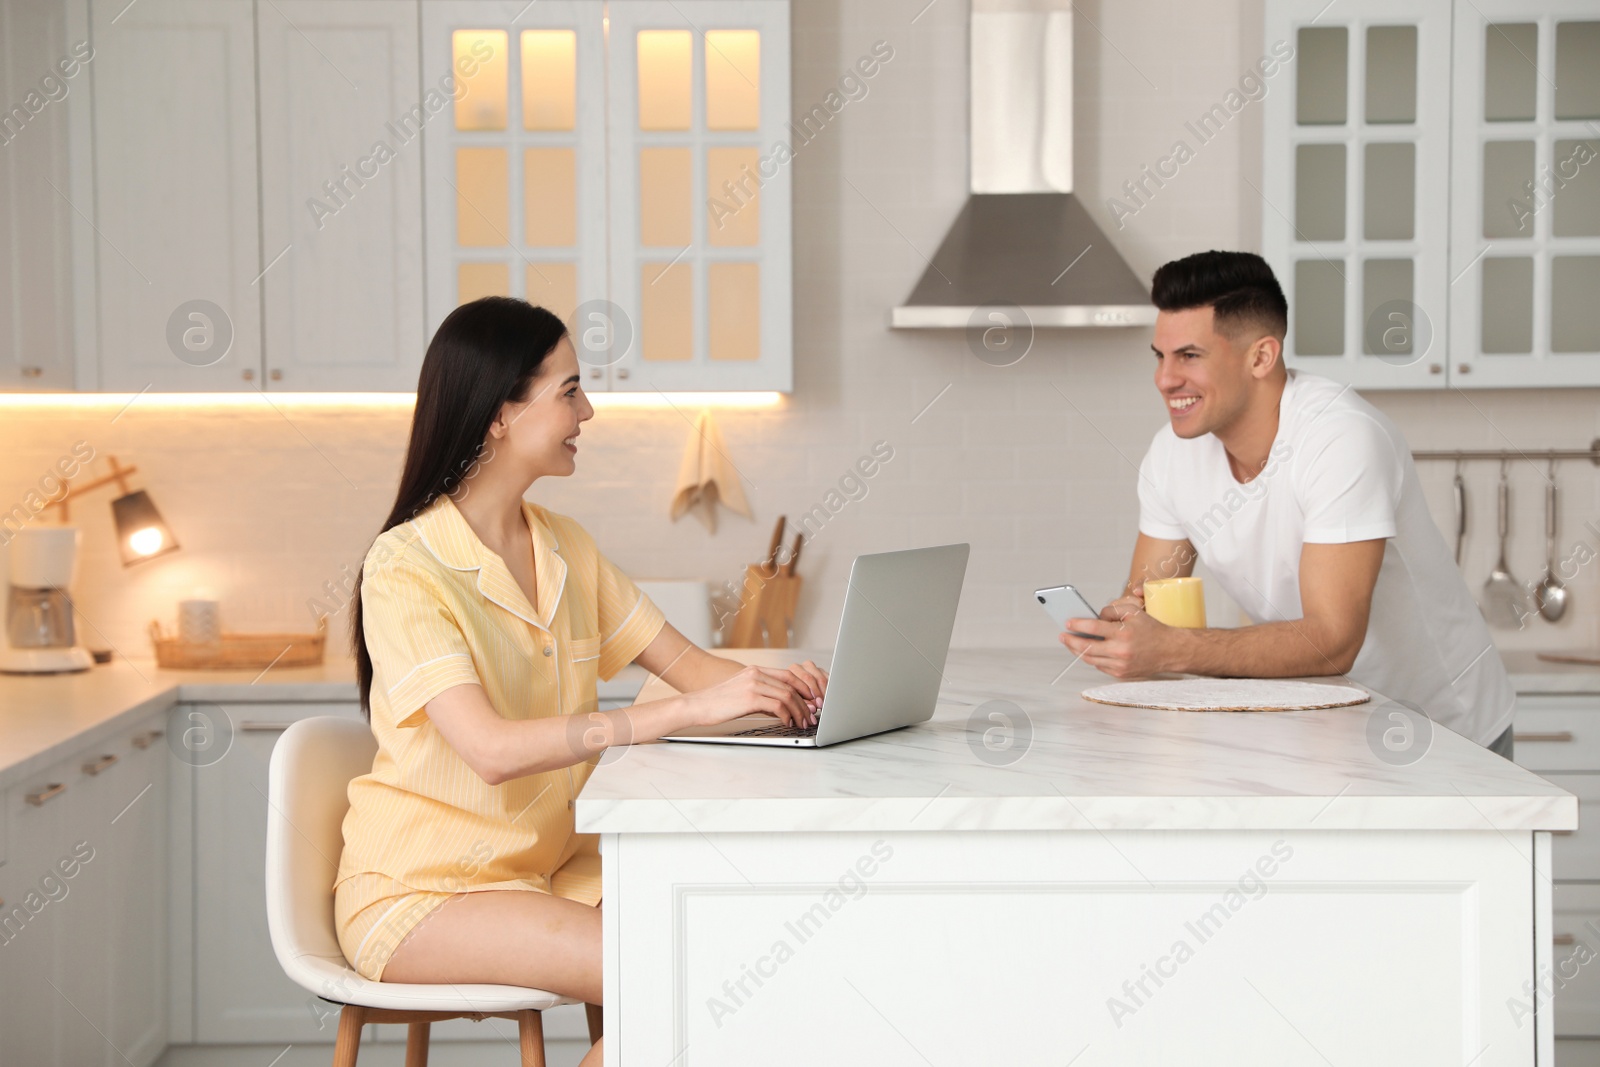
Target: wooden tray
(1227, 694)
(238, 652)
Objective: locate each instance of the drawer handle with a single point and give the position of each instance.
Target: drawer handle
(1563, 940)
(146, 739)
(54, 789)
(103, 763)
(1559, 737)
(248, 725)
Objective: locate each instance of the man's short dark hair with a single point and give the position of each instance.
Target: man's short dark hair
(1239, 287)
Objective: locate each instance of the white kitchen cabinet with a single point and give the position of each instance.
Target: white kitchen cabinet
(35, 227)
(83, 981)
(516, 167)
(1354, 215)
(1525, 235)
(1431, 191)
(700, 193)
(176, 215)
(341, 185)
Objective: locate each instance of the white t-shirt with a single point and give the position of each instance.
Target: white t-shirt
(1339, 471)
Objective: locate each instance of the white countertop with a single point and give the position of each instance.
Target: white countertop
(45, 717)
(1088, 766)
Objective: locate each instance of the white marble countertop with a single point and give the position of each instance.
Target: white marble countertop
(1086, 766)
(47, 717)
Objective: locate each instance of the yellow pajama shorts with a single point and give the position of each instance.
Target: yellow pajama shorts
(373, 914)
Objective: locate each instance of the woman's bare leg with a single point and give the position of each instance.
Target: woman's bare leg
(507, 937)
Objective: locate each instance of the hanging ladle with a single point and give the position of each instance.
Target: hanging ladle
(1550, 595)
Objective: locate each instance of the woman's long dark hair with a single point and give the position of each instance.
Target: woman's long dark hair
(485, 354)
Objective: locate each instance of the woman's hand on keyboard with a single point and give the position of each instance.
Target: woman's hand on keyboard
(754, 690)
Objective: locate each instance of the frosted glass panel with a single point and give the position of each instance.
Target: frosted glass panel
(1507, 317)
(1385, 281)
(1576, 210)
(734, 294)
(482, 279)
(1510, 77)
(666, 312)
(1319, 192)
(1578, 70)
(1391, 74)
(733, 79)
(665, 201)
(481, 63)
(554, 286)
(1507, 167)
(1323, 84)
(483, 197)
(550, 197)
(733, 201)
(1391, 192)
(1574, 305)
(665, 72)
(1318, 308)
(549, 79)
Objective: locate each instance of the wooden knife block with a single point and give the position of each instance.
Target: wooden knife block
(766, 610)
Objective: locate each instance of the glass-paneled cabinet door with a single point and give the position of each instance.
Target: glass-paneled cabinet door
(701, 163)
(1525, 246)
(514, 107)
(1355, 211)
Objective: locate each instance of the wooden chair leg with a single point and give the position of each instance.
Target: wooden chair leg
(596, 1021)
(351, 1018)
(530, 1024)
(417, 1044)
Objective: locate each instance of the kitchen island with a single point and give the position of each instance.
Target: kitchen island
(1032, 878)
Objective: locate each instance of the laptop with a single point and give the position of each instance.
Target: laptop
(899, 611)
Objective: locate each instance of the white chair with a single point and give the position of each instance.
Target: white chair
(307, 798)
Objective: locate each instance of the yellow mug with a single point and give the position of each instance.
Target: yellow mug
(1176, 601)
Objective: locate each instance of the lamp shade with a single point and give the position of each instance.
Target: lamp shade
(141, 531)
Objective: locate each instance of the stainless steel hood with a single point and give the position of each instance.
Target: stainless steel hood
(1023, 240)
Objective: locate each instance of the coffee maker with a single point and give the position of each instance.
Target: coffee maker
(39, 634)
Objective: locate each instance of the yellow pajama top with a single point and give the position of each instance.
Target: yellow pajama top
(440, 609)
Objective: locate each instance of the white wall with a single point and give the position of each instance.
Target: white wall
(269, 506)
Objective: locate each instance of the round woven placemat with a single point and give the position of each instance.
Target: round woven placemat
(1227, 694)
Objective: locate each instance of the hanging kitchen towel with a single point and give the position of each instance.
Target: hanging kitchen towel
(707, 477)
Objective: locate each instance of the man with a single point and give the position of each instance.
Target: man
(1304, 503)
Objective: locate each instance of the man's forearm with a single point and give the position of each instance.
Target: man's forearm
(1297, 648)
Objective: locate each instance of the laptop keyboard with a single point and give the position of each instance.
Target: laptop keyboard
(778, 731)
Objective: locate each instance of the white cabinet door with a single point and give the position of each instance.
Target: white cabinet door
(1356, 172)
(1525, 179)
(700, 193)
(241, 993)
(516, 167)
(32, 1013)
(176, 209)
(134, 822)
(341, 184)
(35, 227)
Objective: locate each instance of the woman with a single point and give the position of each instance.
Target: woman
(481, 624)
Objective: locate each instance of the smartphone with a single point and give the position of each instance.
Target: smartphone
(1063, 602)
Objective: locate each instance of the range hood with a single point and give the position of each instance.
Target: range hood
(1023, 240)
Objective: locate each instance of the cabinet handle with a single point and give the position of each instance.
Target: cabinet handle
(146, 739)
(595, 373)
(1463, 368)
(1559, 737)
(248, 725)
(33, 372)
(54, 789)
(103, 763)
(1435, 368)
(1563, 940)
(277, 375)
(249, 375)
(622, 372)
